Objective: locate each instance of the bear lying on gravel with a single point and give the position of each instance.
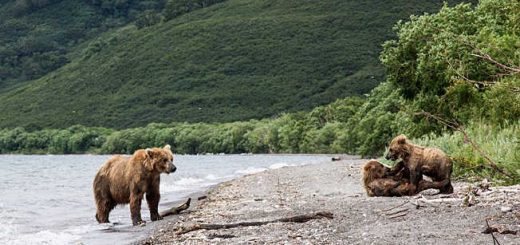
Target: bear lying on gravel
(419, 160)
(123, 180)
(378, 180)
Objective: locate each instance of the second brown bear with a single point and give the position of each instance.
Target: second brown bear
(431, 162)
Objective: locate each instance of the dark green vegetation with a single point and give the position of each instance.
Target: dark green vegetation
(37, 36)
(234, 60)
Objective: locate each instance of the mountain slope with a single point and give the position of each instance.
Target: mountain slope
(36, 35)
(235, 60)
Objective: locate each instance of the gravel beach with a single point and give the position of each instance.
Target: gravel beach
(427, 218)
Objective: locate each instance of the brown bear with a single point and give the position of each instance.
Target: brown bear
(378, 181)
(123, 180)
(419, 160)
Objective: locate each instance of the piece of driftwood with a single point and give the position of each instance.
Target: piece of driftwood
(394, 207)
(398, 215)
(490, 229)
(495, 240)
(396, 212)
(224, 236)
(294, 219)
(500, 230)
(440, 200)
(176, 210)
(418, 205)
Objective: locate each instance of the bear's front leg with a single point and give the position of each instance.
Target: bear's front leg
(415, 175)
(153, 197)
(135, 208)
(395, 169)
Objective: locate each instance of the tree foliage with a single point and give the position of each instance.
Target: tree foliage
(448, 63)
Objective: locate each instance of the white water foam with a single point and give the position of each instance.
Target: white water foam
(190, 183)
(8, 229)
(281, 165)
(12, 234)
(43, 237)
(250, 170)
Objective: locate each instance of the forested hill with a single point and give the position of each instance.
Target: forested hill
(121, 64)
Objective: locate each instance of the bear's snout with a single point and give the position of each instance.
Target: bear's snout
(172, 168)
(391, 157)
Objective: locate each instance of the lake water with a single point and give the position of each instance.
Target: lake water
(49, 200)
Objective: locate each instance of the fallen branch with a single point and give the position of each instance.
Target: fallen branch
(457, 127)
(495, 240)
(295, 219)
(440, 200)
(417, 204)
(499, 229)
(391, 208)
(397, 215)
(176, 210)
(396, 212)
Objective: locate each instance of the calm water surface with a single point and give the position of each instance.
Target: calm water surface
(49, 200)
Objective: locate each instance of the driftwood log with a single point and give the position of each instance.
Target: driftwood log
(176, 210)
(294, 219)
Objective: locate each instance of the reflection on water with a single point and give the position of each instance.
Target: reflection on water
(48, 199)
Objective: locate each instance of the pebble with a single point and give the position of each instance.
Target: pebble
(505, 209)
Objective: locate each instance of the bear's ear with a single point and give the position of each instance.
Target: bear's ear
(148, 163)
(150, 152)
(167, 147)
(401, 139)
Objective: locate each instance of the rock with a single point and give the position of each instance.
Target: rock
(484, 185)
(505, 209)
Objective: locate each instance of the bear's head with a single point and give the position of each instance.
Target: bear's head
(160, 160)
(373, 170)
(399, 148)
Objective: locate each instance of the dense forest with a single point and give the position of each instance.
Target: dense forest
(121, 64)
(452, 81)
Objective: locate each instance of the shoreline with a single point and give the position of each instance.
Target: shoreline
(336, 187)
(148, 230)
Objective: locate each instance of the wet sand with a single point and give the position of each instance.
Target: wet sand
(427, 218)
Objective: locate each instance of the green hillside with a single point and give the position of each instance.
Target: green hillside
(36, 36)
(235, 60)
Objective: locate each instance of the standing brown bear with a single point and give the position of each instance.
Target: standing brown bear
(123, 180)
(419, 160)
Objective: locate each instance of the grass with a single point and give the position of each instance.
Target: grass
(501, 144)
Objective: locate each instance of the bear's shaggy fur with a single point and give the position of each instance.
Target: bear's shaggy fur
(419, 160)
(378, 181)
(123, 180)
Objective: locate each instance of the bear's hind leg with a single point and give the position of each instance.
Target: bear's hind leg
(446, 189)
(103, 210)
(135, 208)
